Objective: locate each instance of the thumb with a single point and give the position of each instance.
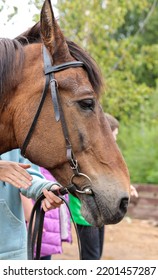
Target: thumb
(23, 165)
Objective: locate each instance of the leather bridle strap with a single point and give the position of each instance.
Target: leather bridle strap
(49, 71)
(58, 110)
(31, 130)
(34, 236)
(62, 66)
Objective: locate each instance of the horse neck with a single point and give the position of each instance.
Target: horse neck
(7, 137)
(8, 107)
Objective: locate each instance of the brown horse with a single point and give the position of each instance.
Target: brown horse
(71, 127)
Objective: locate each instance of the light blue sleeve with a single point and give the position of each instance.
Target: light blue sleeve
(38, 183)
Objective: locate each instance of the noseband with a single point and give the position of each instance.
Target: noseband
(49, 71)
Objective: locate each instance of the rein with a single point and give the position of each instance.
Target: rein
(35, 234)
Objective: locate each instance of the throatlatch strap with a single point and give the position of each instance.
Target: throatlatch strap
(31, 130)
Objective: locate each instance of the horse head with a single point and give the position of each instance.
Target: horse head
(87, 138)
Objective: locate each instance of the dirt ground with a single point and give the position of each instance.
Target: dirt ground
(131, 239)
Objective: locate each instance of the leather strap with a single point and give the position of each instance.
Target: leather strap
(35, 229)
(63, 66)
(31, 130)
(49, 73)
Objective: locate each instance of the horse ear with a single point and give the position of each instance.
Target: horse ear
(51, 34)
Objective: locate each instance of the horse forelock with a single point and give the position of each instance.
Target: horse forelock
(32, 35)
(11, 61)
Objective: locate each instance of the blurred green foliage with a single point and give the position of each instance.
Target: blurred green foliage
(122, 36)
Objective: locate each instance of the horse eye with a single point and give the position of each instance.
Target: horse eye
(87, 104)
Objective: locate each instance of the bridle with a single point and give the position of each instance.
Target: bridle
(49, 71)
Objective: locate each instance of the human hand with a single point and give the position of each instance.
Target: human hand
(15, 174)
(133, 191)
(51, 201)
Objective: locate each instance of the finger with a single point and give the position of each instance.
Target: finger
(9, 174)
(21, 169)
(51, 197)
(19, 182)
(11, 182)
(25, 166)
(46, 205)
(21, 179)
(136, 194)
(14, 182)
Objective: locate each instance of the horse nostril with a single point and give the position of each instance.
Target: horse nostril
(124, 204)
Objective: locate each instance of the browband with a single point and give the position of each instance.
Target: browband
(57, 68)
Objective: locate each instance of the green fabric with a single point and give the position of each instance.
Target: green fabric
(75, 207)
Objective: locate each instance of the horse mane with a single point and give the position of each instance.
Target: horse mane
(11, 61)
(32, 35)
(11, 64)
